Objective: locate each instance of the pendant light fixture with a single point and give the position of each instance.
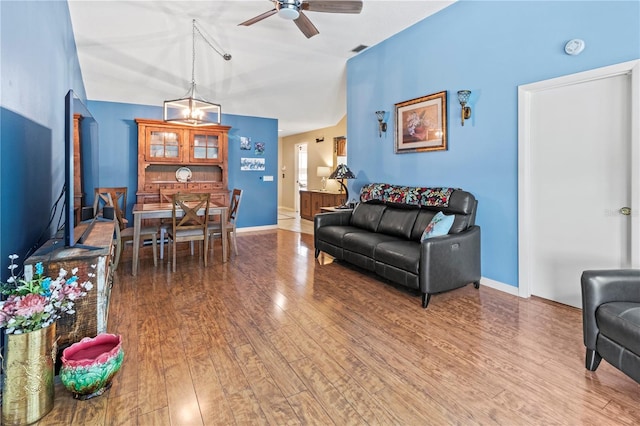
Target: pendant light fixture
(191, 109)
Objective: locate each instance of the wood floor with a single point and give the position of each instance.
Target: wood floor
(274, 337)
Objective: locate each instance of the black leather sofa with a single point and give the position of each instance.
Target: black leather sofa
(611, 319)
(382, 234)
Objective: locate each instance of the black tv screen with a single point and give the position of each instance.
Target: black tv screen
(89, 163)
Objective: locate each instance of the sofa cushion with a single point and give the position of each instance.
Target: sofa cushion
(423, 219)
(398, 222)
(404, 255)
(364, 242)
(335, 234)
(620, 322)
(367, 216)
(439, 226)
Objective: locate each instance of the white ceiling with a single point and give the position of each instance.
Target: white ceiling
(140, 52)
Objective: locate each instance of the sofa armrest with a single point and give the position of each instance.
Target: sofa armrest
(340, 218)
(332, 219)
(450, 261)
(603, 286)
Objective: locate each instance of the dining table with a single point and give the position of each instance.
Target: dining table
(164, 211)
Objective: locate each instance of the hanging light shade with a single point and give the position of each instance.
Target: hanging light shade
(191, 109)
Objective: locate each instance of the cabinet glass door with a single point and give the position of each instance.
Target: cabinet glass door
(163, 146)
(205, 147)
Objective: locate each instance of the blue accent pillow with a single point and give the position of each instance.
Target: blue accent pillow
(439, 225)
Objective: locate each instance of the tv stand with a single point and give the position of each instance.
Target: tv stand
(93, 309)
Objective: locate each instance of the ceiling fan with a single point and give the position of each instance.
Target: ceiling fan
(293, 10)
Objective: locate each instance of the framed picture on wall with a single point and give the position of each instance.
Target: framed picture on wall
(247, 164)
(421, 124)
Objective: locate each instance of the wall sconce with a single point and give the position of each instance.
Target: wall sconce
(318, 140)
(382, 122)
(463, 98)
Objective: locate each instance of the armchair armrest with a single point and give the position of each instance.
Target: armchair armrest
(603, 286)
(450, 261)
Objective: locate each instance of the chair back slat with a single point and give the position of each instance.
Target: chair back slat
(234, 206)
(115, 197)
(166, 194)
(188, 204)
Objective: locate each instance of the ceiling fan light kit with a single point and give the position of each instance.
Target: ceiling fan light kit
(292, 10)
(288, 9)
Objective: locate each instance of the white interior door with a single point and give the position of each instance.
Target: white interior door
(581, 168)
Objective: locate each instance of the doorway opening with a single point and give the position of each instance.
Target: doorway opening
(301, 169)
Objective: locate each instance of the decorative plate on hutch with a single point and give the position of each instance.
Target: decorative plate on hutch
(183, 174)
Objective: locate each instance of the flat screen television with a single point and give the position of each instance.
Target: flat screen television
(88, 162)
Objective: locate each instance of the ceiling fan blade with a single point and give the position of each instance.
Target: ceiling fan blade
(258, 18)
(305, 25)
(332, 6)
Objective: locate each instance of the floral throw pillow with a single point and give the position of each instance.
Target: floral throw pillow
(439, 225)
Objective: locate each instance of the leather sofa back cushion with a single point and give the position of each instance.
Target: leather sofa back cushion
(398, 222)
(367, 216)
(423, 219)
(461, 202)
(460, 223)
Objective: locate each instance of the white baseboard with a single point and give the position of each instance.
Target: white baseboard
(257, 228)
(499, 286)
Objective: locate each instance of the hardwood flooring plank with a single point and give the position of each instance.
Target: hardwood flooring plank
(159, 417)
(122, 410)
(332, 401)
(281, 340)
(212, 400)
(307, 409)
(64, 407)
(272, 401)
(276, 365)
(181, 396)
(151, 383)
(246, 408)
(91, 412)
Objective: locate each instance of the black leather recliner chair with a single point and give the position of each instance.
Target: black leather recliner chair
(611, 319)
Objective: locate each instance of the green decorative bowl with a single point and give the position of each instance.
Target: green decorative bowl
(89, 365)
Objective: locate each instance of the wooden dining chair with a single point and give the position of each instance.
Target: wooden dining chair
(109, 196)
(187, 224)
(116, 197)
(215, 228)
(166, 196)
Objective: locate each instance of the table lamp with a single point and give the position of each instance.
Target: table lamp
(323, 172)
(342, 172)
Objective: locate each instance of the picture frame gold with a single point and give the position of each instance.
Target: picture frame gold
(421, 124)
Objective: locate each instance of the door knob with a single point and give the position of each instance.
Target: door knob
(625, 211)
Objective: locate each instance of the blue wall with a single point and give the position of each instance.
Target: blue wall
(119, 157)
(38, 65)
(488, 47)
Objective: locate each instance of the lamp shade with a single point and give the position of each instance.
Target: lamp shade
(192, 111)
(323, 171)
(342, 172)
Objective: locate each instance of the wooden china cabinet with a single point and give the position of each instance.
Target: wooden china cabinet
(174, 156)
